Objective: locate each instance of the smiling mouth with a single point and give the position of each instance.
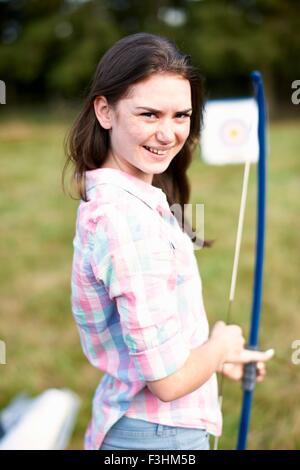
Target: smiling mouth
(155, 151)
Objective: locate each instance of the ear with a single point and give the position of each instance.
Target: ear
(103, 112)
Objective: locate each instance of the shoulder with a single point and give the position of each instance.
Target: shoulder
(125, 193)
(114, 209)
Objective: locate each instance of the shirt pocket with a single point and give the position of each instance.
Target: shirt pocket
(155, 255)
(184, 258)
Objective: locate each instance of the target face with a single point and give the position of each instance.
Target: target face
(234, 132)
(230, 132)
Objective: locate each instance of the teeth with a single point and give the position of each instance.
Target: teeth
(158, 152)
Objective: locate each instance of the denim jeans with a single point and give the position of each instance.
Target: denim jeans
(135, 434)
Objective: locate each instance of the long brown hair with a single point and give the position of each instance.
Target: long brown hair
(130, 60)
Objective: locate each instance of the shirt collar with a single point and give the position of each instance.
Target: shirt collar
(151, 195)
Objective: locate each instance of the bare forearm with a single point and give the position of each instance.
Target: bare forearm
(202, 362)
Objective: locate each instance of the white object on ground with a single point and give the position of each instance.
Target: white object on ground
(47, 423)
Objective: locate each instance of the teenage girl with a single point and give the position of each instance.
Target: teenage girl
(136, 289)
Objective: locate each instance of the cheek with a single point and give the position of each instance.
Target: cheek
(125, 137)
(184, 132)
(137, 131)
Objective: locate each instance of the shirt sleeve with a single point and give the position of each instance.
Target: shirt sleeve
(137, 267)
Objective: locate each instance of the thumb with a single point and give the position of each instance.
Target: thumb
(249, 355)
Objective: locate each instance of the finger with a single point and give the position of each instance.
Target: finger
(219, 323)
(236, 329)
(247, 355)
(261, 365)
(260, 371)
(260, 378)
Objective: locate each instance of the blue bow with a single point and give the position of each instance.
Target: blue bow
(249, 377)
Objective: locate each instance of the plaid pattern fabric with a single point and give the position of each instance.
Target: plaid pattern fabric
(137, 302)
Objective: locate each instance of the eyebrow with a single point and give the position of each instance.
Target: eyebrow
(158, 111)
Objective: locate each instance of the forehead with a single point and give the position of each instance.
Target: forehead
(160, 91)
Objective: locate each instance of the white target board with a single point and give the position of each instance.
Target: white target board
(230, 132)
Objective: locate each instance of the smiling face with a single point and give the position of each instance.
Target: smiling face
(149, 127)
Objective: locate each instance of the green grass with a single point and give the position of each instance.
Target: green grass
(37, 228)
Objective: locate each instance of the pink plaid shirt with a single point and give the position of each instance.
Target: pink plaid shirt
(137, 301)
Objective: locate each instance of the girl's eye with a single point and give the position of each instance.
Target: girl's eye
(177, 115)
(184, 114)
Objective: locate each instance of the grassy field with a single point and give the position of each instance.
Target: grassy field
(37, 228)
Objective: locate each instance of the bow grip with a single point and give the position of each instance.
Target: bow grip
(249, 375)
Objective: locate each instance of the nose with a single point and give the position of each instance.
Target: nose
(165, 133)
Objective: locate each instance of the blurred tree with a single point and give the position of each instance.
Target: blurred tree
(228, 39)
(51, 48)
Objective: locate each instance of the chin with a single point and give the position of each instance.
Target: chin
(162, 165)
(159, 169)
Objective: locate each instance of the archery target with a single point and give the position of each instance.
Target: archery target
(229, 133)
